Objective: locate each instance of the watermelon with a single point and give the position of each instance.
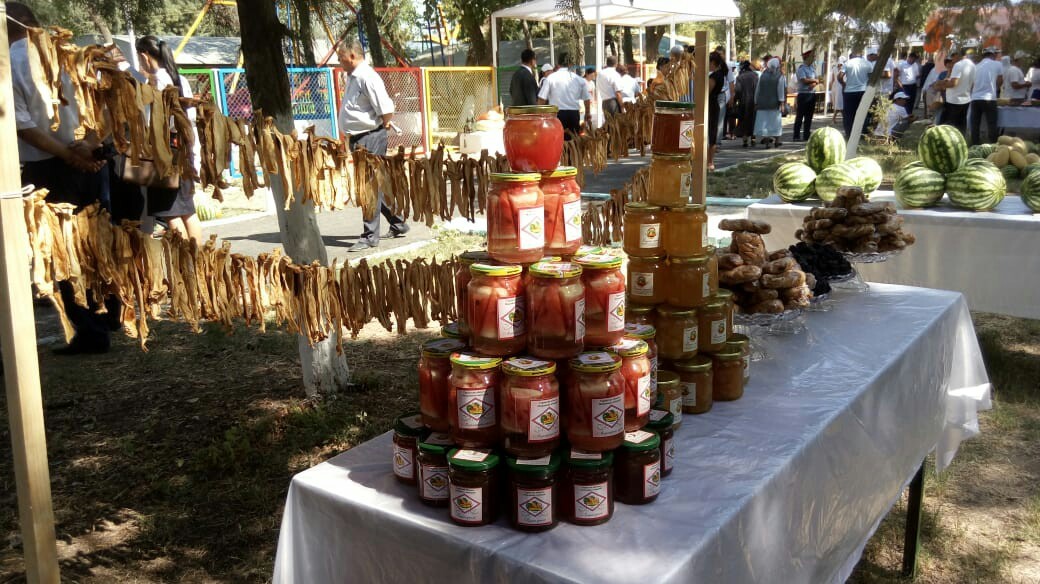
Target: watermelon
(871, 171)
(1010, 172)
(943, 149)
(1031, 191)
(979, 162)
(919, 187)
(830, 179)
(1030, 169)
(794, 181)
(981, 150)
(978, 188)
(208, 210)
(915, 164)
(826, 147)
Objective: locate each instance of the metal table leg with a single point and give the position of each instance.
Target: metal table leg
(912, 539)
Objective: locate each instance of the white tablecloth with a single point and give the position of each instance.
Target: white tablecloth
(1018, 117)
(993, 258)
(785, 485)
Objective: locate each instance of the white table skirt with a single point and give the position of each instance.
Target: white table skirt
(785, 485)
(990, 257)
(1019, 117)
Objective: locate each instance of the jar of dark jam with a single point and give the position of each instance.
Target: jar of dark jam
(473, 485)
(663, 423)
(408, 429)
(533, 492)
(587, 492)
(637, 478)
(433, 469)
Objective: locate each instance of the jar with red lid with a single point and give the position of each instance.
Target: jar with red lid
(695, 379)
(635, 368)
(677, 332)
(433, 469)
(408, 430)
(604, 299)
(587, 493)
(594, 403)
(712, 332)
(555, 303)
(562, 211)
(516, 218)
(684, 231)
(533, 138)
(530, 407)
(728, 368)
(434, 389)
(474, 486)
(663, 423)
(690, 281)
(642, 230)
(462, 278)
(646, 280)
(648, 334)
(533, 492)
(640, 314)
(637, 472)
(475, 397)
(673, 127)
(496, 310)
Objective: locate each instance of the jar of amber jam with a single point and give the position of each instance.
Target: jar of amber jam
(663, 424)
(685, 231)
(641, 314)
(587, 496)
(713, 272)
(533, 492)
(727, 297)
(712, 332)
(637, 477)
(673, 127)
(408, 430)
(689, 281)
(669, 395)
(474, 492)
(695, 380)
(475, 400)
(646, 280)
(433, 469)
(671, 180)
(677, 332)
(728, 369)
(743, 343)
(642, 230)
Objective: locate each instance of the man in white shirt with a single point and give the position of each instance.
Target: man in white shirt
(854, 77)
(630, 86)
(958, 91)
(907, 78)
(567, 92)
(898, 118)
(1015, 85)
(887, 78)
(365, 118)
(608, 87)
(989, 75)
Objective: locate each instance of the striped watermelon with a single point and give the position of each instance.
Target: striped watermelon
(871, 171)
(1030, 169)
(826, 147)
(830, 179)
(915, 164)
(943, 149)
(1031, 191)
(979, 162)
(981, 150)
(794, 181)
(978, 188)
(208, 209)
(1010, 172)
(919, 187)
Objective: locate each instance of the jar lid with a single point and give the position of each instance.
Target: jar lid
(663, 156)
(536, 466)
(473, 256)
(685, 105)
(442, 347)
(696, 259)
(728, 353)
(724, 294)
(660, 420)
(555, 269)
(515, 177)
(409, 424)
(716, 302)
(687, 208)
(437, 443)
(665, 377)
(738, 339)
(653, 258)
(599, 261)
(640, 308)
(585, 459)
(596, 362)
(531, 109)
(641, 440)
(474, 361)
(593, 250)
(669, 310)
(490, 270)
(561, 172)
(528, 366)
(640, 331)
(640, 207)
(631, 347)
(451, 331)
(697, 364)
(472, 459)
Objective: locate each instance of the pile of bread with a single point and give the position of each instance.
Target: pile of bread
(761, 282)
(851, 223)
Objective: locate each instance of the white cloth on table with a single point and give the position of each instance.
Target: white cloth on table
(565, 90)
(1021, 117)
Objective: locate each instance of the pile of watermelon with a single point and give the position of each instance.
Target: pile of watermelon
(1015, 157)
(825, 170)
(945, 168)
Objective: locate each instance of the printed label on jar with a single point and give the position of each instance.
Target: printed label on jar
(656, 415)
(510, 317)
(651, 479)
(472, 455)
(582, 455)
(718, 332)
(642, 284)
(638, 436)
(747, 366)
(685, 184)
(433, 482)
(704, 235)
(572, 220)
(706, 285)
(590, 501)
(534, 461)
(616, 312)
(403, 462)
(534, 506)
(608, 416)
(689, 394)
(467, 504)
(579, 320)
(650, 235)
(676, 408)
(544, 424)
(689, 340)
(645, 393)
(531, 223)
(685, 134)
(669, 454)
(476, 408)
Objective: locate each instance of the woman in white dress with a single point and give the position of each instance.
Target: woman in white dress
(837, 90)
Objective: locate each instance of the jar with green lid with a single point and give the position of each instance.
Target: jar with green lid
(685, 231)
(712, 327)
(743, 343)
(562, 210)
(689, 281)
(433, 469)
(669, 395)
(637, 474)
(640, 314)
(635, 368)
(695, 381)
(595, 401)
(642, 230)
(434, 388)
(530, 407)
(462, 278)
(533, 492)
(727, 297)
(516, 218)
(474, 486)
(728, 367)
(587, 495)
(408, 430)
(677, 332)
(475, 400)
(646, 280)
(671, 180)
(555, 310)
(648, 334)
(495, 312)
(663, 423)
(672, 131)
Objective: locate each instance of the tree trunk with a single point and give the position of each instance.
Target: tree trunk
(528, 41)
(896, 29)
(371, 28)
(323, 370)
(479, 49)
(305, 32)
(626, 45)
(102, 27)
(654, 34)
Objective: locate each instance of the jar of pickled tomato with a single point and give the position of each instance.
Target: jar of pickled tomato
(712, 332)
(671, 180)
(743, 343)
(475, 399)
(673, 127)
(677, 332)
(530, 407)
(451, 330)
(640, 314)
(434, 389)
(604, 299)
(587, 494)
(533, 138)
(533, 492)
(663, 424)
(637, 476)
(555, 303)
(689, 281)
(635, 367)
(669, 395)
(646, 280)
(728, 308)
(516, 218)
(408, 430)
(474, 486)
(496, 310)
(728, 369)
(433, 469)
(462, 278)
(684, 231)
(594, 402)
(646, 333)
(695, 379)
(642, 230)
(562, 211)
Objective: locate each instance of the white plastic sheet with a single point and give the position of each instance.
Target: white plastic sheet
(784, 485)
(990, 257)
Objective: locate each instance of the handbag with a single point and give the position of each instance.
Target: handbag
(144, 174)
(785, 110)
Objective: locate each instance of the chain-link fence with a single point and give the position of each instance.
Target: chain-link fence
(454, 97)
(311, 91)
(203, 83)
(404, 85)
(505, 78)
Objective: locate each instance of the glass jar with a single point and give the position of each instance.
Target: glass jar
(669, 395)
(637, 475)
(647, 334)
(684, 231)
(533, 138)
(676, 332)
(663, 424)
(473, 478)
(713, 272)
(530, 407)
(728, 308)
(635, 367)
(594, 402)
(712, 333)
(452, 330)
(695, 380)
(562, 211)
(743, 343)
(408, 430)
(673, 127)
(646, 280)
(587, 496)
(474, 394)
(516, 218)
(642, 230)
(689, 281)
(533, 492)
(462, 278)
(728, 368)
(641, 314)
(604, 299)
(433, 469)
(671, 180)
(495, 310)
(555, 303)
(434, 389)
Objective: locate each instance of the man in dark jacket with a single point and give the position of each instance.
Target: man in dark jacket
(523, 88)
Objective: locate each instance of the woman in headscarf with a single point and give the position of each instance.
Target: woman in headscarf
(745, 86)
(770, 96)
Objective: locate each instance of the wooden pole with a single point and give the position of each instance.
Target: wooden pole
(700, 118)
(18, 339)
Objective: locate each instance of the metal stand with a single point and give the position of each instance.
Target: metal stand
(912, 539)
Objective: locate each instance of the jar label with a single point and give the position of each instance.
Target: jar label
(544, 424)
(650, 235)
(653, 376)
(685, 184)
(476, 408)
(718, 332)
(608, 416)
(645, 395)
(472, 455)
(638, 437)
(685, 134)
(534, 506)
(669, 454)
(689, 394)
(433, 482)
(747, 366)
(579, 320)
(531, 223)
(656, 415)
(527, 364)
(642, 284)
(596, 358)
(582, 455)
(572, 220)
(689, 340)
(616, 312)
(704, 235)
(467, 504)
(404, 466)
(534, 461)
(510, 317)
(591, 501)
(676, 408)
(706, 285)
(651, 479)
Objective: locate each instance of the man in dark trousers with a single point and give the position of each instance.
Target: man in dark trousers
(523, 88)
(806, 104)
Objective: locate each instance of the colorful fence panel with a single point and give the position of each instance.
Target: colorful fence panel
(404, 84)
(454, 97)
(312, 92)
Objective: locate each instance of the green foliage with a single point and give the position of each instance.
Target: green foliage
(158, 17)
